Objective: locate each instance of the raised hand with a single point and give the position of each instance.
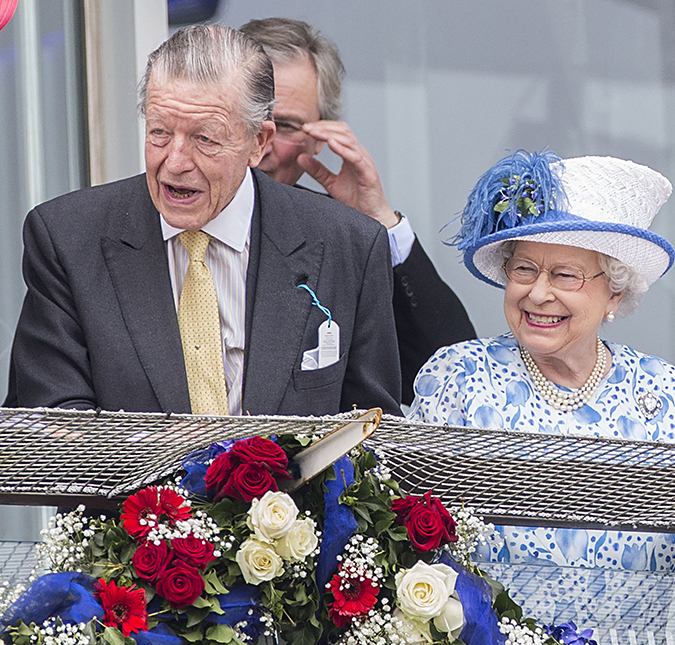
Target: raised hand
(358, 183)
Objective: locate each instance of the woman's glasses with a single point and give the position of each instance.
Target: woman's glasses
(566, 278)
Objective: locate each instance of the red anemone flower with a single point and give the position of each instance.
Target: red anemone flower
(141, 512)
(123, 607)
(354, 596)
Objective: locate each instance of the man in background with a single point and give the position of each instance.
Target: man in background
(308, 76)
(191, 288)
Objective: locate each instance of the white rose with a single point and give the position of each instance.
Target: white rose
(423, 591)
(258, 562)
(451, 619)
(272, 516)
(299, 542)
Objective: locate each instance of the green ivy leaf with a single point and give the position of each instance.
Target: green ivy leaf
(195, 616)
(113, 636)
(221, 634)
(193, 636)
(505, 607)
(213, 584)
(363, 512)
(201, 603)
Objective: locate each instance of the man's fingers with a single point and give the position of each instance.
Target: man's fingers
(315, 169)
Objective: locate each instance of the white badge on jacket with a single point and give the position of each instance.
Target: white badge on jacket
(328, 350)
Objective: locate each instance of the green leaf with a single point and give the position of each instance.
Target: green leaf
(201, 603)
(193, 636)
(213, 584)
(195, 616)
(221, 634)
(382, 525)
(504, 606)
(127, 552)
(113, 636)
(363, 512)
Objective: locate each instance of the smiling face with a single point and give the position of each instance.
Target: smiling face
(197, 149)
(297, 102)
(552, 323)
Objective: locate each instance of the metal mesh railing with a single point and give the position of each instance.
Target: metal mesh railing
(67, 457)
(64, 457)
(520, 478)
(18, 561)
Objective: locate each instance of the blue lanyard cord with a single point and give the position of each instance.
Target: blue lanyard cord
(315, 301)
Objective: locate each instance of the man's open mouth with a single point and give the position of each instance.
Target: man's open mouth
(180, 193)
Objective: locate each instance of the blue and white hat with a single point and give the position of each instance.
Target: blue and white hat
(598, 203)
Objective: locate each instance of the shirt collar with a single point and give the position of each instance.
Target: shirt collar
(232, 224)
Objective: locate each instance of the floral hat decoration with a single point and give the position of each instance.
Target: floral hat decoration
(601, 204)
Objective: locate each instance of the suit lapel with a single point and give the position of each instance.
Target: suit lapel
(276, 310)
(135, 255)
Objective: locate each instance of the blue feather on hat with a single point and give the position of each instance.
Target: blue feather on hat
(517, 190)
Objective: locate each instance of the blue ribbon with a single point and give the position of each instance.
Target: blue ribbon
(197, 463)
(339, 523)
(70, 596)
(241, 604)
(315, 302)
(480, 621)
(66, 595)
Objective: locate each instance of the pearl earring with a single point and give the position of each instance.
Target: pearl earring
(609, 316)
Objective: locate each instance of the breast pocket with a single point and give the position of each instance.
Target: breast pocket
(311, 379)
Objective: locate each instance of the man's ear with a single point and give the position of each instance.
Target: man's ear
(262, 139)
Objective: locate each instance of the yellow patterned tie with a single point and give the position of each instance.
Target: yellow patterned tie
(199, 323)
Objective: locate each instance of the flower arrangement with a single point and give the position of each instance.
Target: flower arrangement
(225, 555)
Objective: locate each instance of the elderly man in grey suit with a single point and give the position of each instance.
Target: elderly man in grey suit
(203, 285)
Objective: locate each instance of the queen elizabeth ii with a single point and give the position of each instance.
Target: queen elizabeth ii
(568, 240)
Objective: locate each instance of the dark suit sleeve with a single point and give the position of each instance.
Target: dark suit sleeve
(50, 365)
(373, 369)
(428, 315)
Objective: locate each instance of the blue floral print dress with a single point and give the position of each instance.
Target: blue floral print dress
(615, 582)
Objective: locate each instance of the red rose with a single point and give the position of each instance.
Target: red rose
(428, 522)
(151, 559)
(218, 472)
(262, 452)
(193, 550)
(247, 482)
(402, 507)
(181, 584)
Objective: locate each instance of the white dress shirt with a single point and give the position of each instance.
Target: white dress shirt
(401, 238)
(227, 259)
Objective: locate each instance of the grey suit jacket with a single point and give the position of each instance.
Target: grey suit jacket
(99, 329)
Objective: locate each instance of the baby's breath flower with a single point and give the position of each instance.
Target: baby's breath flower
(66, 541)
(471, 531)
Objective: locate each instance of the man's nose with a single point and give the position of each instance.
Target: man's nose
(179, 156)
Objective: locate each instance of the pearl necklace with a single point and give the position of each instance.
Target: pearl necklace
(575, 398)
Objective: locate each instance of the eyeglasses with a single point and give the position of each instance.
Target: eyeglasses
(291, 132)
(565, 278)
